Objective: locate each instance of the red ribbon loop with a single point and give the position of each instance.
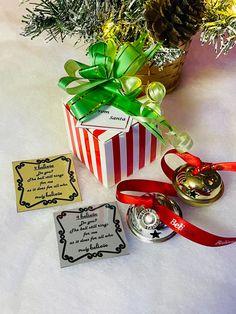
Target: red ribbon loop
(142, 186)
(168, 217)
(196, 163)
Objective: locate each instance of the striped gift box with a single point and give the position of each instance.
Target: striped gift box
(111, 156)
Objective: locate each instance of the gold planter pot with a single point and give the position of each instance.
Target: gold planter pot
(169, 75)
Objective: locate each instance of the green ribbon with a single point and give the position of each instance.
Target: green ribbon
(110, 80)
(155, 92)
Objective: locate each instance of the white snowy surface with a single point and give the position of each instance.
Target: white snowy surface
(174, 277)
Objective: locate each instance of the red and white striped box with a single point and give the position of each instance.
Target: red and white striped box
(112, 156)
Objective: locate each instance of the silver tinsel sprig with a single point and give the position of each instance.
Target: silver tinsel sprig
(86, 19)
(81, 18)
(167, 55)
(219, 25)
(220, 34)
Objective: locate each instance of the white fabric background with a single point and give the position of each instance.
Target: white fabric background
(174, 277)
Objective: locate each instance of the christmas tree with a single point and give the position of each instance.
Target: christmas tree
(171, 21)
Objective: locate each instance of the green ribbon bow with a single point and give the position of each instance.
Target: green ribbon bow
(110, 80)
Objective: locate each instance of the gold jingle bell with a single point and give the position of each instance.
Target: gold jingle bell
(197, 190)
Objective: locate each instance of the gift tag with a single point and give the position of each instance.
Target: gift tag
(45, 182)
(89, 233)
(107, 118)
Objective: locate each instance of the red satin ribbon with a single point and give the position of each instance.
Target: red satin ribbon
(196, 163)
(168, 217)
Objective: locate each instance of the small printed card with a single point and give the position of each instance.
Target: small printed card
(45, 182)
(108, 118)
(89, 233)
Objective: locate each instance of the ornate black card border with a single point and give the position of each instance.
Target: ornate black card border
(100, 253)
(53, 201)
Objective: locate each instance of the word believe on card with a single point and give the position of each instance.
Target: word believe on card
(89, 233)
(45, 182)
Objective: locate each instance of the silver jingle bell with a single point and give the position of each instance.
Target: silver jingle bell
(198, 190)
(145, 222)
